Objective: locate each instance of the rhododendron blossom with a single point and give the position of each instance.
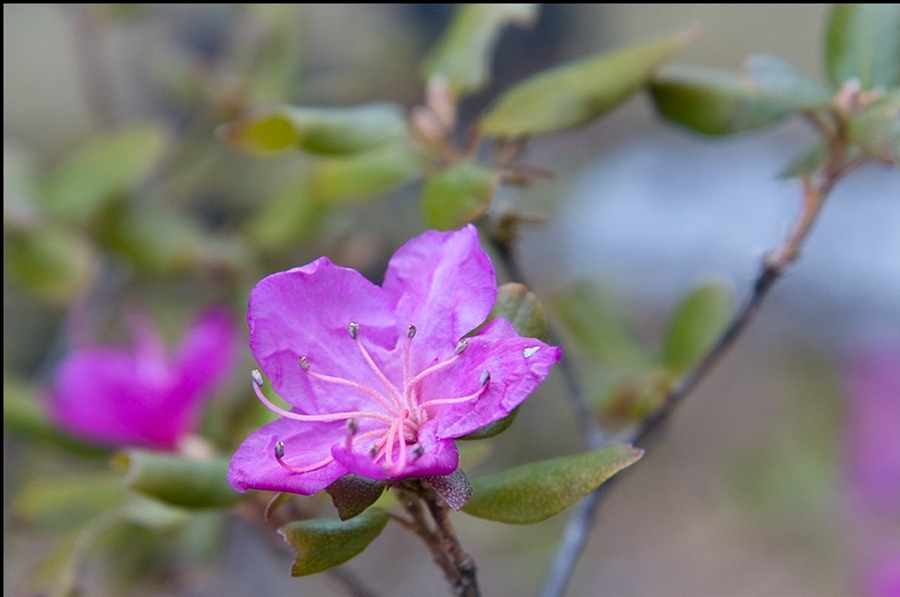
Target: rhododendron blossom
(141, 398)
(380, 380)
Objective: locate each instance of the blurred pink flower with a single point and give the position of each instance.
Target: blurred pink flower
(138, 397)
(381, 379)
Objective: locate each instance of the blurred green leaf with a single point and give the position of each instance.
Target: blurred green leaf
(522, 308)
(326, 131)
(783, 81)
(699, 318)
(463, 55)
(351, 495)
(534, 492)
(573, 94)
(633, 398)
(51, 262)
(153, 238)
(178, 480)
(24, 413)
(877, 127)
(807, 161)
(713, 101)
(335, 180)
(67, 502)
(102, 169)
(495, 428)
(458, 195)
(287, 217)
(863, 42)
(322, 543)
(590, 319)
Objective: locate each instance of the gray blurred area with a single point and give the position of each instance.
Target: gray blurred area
(745, 496)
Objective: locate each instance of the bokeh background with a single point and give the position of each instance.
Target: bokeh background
(755, 489)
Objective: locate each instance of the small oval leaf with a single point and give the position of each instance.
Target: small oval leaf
(337, 179)
(458, 195)
(463, 55)
(351, 494)
(863, 42)
(522, 308)
(495, 428)
(782, 81)
(534, 492)
(713, 101)
(51, 262)
(101, 169)
(573, 94)
(322, 543)
(697, 321)
(877, 128)
(177, 480)
(325, 131)
(807, 161)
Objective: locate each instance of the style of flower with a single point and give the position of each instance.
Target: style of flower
(140, 398)
(380, 380)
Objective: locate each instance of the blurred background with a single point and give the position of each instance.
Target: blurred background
(760, 485)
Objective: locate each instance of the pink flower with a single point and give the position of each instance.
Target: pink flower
(139, 397)
(381, 379)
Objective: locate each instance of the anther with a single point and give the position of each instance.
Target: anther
(416, 453)
(352, 426)
(461, 346)
(411, 331)
(485, 378)
(257, 377)
(373, 451)
(353, 329)
(304, 363)
(279, 450)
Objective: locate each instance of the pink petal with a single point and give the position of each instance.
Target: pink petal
(253, 465)
(444, 284)
(439, 457)
(207, 353)
(305, 312)
(516, 366)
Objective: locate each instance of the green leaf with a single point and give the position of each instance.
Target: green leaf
(495, 428)
(863, 42)
(458, 195)
(322, 543)
(782, 81)
(634, 398)
(102, 169)
(713, 101)
(522, 308)
(65, 502)
(53, 263)
(351, 495)
(591, 321)
(877, 128)
(154, 238)
(177, 480)
(807, 161)
(287, 218)
(325, 131)
(24, 413)
(463, 55)
(573, 94)
(336, 180)
(534, 492)
(697, 321)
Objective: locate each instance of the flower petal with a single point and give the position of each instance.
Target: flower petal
(253, 465)
(207, 353)
(444, 284)
(100, 395)
(304, 312)
(516, 366)
(439, 457)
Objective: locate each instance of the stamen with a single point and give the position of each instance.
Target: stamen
(279, 455)
(353, 329)
(391, 408)
(483, 384)
(411, 331)
(461, 346)
(416, 453)
(485, 378)
(352, 428)
(257, 377)
(304, 364)
(308, 418)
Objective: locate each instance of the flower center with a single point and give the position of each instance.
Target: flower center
(393, 440)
